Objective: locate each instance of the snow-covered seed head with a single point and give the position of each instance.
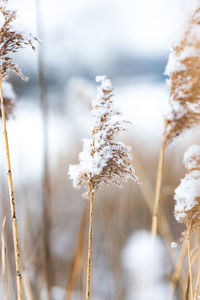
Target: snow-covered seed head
(187, 194)
(183, 69)
(103, 160)
(11, 41)
(9, 100)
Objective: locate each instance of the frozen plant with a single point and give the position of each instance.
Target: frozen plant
(103, 159)
(187, 197)
(187, 194)
(145, 263)
(183, 69)
(11, 41)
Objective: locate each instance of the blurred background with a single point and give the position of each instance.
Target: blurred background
(128, 41)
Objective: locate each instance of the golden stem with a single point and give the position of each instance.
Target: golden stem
(12, 200)
(78, 255)
(177, 272)
(190, 269)
(158, 184)
(198, 276)
(89, 244)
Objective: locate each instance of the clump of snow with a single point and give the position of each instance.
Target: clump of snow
(191, 158)
(174, 245)
(186, 194)
(175, 111)
(188, 191)
(145, 261)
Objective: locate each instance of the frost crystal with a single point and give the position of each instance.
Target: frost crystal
(145, 262)
(183, 69)
(187, 194)
(103, 159)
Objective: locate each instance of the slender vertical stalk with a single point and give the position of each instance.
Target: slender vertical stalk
(89, 243)
(190, 269)
(198, 276)
(27, 287)
(178, 268)
(4, 262)
(12, 200)
(78, 254)
(154, 228)
(46, 188)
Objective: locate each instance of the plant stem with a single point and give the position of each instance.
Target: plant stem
(198, 276)
(158, 183)
(78, 254)
(190, 269)
(176, 276)
(89, 244)
(12, 201)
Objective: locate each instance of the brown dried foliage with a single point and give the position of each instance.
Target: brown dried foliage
(9, 105)
(11, 41)
(185, 81)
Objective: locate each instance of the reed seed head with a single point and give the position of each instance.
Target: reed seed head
(103, 159)
(11, 41)
(183, 70)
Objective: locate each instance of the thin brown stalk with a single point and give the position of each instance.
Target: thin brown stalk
(4, 262)
(187, 292)
(78, 254)
(190, 269)
(89, 243)
(27, 287)
(154, 228)
(198, 276)
(46, 186)
(12, 201)
(177, 272)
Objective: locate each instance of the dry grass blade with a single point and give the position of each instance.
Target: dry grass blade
(190, 268)
(187, 292)
(198, 276)
(154, 228)
(27, 287)
(4, 261)
(177, 272)
(76, 262)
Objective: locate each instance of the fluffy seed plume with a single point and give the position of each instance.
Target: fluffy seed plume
(11, 41)
(183, 70)
(187, 194)
(103, 160)
(9, 100)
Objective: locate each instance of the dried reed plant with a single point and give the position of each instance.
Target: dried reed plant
(11, 41)
(183, 69)
(187, 197)
(103, 160)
